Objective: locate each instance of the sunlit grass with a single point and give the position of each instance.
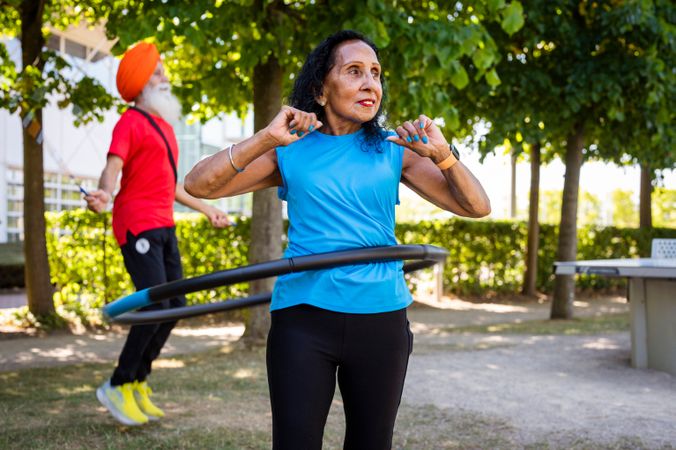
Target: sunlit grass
(609, 323)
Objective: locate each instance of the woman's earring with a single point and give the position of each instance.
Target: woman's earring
(321, 102)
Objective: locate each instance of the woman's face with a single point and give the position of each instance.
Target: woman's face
(352, 90)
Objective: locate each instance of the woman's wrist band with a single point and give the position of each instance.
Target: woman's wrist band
(448, 162)
(237, 169)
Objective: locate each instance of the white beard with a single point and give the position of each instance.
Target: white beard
(162, 102)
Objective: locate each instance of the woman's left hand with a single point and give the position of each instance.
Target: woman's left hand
(423, 137)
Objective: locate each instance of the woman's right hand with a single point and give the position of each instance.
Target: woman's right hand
(290, 125)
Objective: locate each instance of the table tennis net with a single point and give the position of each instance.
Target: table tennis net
(663, 248)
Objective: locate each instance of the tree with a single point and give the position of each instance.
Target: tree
(517, 120)
(645, 216)
(224, 54)
(530, 276)
(27, 89)
(615, 53)
(582, 71)
(596, 65)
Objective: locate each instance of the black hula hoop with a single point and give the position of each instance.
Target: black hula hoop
(118, 311)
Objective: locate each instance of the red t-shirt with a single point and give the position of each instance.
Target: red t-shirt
(147, 190)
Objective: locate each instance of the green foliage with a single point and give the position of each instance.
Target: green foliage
(212, 49)
(28, 89)
(489, 255)
(589, 210)
(205, 249)
(625, 211)
(484, 255)
(86, 265)
(88, 269)
(512, 18)
(550, 206)
(664, 207)
(600, 65)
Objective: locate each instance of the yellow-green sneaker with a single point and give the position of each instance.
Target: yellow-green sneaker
(142, 393)
(119, 400)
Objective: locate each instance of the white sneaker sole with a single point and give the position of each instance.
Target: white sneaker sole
(105, 401)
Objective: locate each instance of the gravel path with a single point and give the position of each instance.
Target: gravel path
(555, 391)
(551, 389)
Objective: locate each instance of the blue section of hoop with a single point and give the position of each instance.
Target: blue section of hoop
(138, 299)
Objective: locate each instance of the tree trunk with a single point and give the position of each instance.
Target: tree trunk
(266, 219)
(564, 285)
(645, 203)
(530, 277)
(512, 192)
(38, 283)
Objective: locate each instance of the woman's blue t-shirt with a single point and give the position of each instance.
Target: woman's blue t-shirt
(341, 195)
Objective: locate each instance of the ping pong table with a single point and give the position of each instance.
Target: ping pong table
(652, 303)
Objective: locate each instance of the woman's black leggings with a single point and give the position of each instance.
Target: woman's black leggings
(369, 352)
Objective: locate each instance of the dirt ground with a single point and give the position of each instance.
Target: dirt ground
(554, 390)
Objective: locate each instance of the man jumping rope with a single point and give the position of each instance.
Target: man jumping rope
(145, 150)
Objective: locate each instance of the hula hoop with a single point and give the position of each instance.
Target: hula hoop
(118, 311)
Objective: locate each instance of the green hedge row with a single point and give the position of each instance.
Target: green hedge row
(87, 265)
(490, 255)
(484, 255)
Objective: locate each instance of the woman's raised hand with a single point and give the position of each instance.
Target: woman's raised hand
(423, 137)
(290, 125)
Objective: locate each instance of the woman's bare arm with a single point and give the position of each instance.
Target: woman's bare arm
(216, 176)
(452, 188)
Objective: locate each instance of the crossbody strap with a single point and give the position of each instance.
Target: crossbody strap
(166, 142)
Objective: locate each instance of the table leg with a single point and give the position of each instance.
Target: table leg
(639, 336)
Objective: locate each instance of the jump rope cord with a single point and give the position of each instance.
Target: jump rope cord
(104, 263)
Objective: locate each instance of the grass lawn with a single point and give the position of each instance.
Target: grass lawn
(608, 323)
(213, 400)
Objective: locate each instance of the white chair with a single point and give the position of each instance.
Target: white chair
(663, 249)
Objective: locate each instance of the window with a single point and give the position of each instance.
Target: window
(61, 194)
(15, 206)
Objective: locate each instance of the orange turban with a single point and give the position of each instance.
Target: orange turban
(136, 68)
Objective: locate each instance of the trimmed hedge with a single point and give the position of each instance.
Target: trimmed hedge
(490, 255)
(484, 255)
(11, 265)
(84, 268)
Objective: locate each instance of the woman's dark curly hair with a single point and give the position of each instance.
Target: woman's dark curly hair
(310, 79)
